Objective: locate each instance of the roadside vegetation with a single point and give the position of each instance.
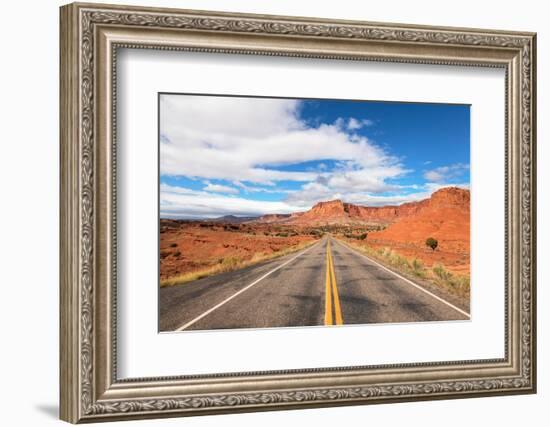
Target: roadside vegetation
(437, 274)
(232, 263)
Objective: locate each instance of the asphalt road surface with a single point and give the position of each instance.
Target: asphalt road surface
(328, 283)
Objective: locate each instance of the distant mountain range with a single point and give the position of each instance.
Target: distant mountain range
(232, 219)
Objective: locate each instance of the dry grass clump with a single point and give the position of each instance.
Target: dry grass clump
(418, 268)
(440, 272)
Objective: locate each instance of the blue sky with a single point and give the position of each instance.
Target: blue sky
(252, 156)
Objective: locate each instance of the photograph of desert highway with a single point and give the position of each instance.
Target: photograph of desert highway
(280, 212)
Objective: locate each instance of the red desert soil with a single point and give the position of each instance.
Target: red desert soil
(193, 246)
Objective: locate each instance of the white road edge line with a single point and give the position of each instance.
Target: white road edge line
(206, 313)
(407, 280)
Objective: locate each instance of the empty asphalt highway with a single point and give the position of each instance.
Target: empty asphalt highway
(328, 283)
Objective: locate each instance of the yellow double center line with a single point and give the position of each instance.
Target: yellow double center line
(331, 299)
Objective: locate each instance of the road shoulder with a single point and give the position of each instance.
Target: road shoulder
(462, 303)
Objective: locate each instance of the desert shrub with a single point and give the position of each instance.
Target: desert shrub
(177, 254)
(441, 272)
(282, 234)
(431, 243)
(363, 236)
(174, 245)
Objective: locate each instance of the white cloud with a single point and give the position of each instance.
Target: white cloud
(350, 182)
(242, 139)
(352, 124)
(446, 173)
(432, 186)
(317, 192)
(355, 124)
(177, 202)
(398, 199)
(259, 189)
(362, 179)
(217, 188)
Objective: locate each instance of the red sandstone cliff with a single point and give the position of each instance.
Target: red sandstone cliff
(445, 216)
(338, 212)
(449, 201)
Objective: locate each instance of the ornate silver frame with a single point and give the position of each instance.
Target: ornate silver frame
(90, 36)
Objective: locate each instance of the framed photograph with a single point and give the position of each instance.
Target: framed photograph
(266, 212)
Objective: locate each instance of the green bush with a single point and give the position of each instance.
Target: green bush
(431, 243)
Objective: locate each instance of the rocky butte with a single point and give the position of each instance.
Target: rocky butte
(450, 201)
